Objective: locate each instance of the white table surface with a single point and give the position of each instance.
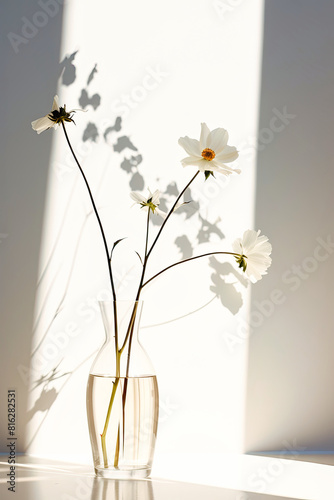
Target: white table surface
(227, 477)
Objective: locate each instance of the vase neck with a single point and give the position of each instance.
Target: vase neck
(122, 355)
(121, 319)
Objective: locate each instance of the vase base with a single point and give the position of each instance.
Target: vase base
(131, 473)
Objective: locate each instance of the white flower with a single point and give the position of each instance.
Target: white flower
(211, 152)
(152, 201)
(54, 118)
(254, 251)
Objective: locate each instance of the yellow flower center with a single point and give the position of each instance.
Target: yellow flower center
(149, 204)
(208, 154)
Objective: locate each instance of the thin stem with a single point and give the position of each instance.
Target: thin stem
(115, 385)
(116, 458)
(132, 320)
(95, 211)
(170, 213)
(111, 402)
(129, 333)
(188, 260)
(145, 255)
(105, 429)
(130, 327)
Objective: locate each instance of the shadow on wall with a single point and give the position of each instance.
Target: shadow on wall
(29, 56)
(291, 344)
(45, 389)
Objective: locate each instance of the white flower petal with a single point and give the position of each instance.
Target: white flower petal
(217, 140)
(45, 123)
(228, 154)
(155, 197)
(55, 104)
(204, 136)
(237, 246)
(223, 169)
(42, 124)
(196, 162)
(256, 250)
(191, 146)
(137, 197)
(188, 160)
(249, 239)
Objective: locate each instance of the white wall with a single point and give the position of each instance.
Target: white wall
(290, 374)
(195, 49)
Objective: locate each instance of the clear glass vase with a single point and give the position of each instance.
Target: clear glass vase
(122, 397)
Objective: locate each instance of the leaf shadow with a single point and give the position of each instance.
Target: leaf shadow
(229, 296)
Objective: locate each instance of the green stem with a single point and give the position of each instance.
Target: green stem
(188, 260)
(104, 433)
(116, 458)
(130, 327)
(111, 402)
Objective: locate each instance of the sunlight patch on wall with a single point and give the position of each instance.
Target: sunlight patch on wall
(146, 81)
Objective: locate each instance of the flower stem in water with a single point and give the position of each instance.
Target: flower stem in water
(104, 433)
